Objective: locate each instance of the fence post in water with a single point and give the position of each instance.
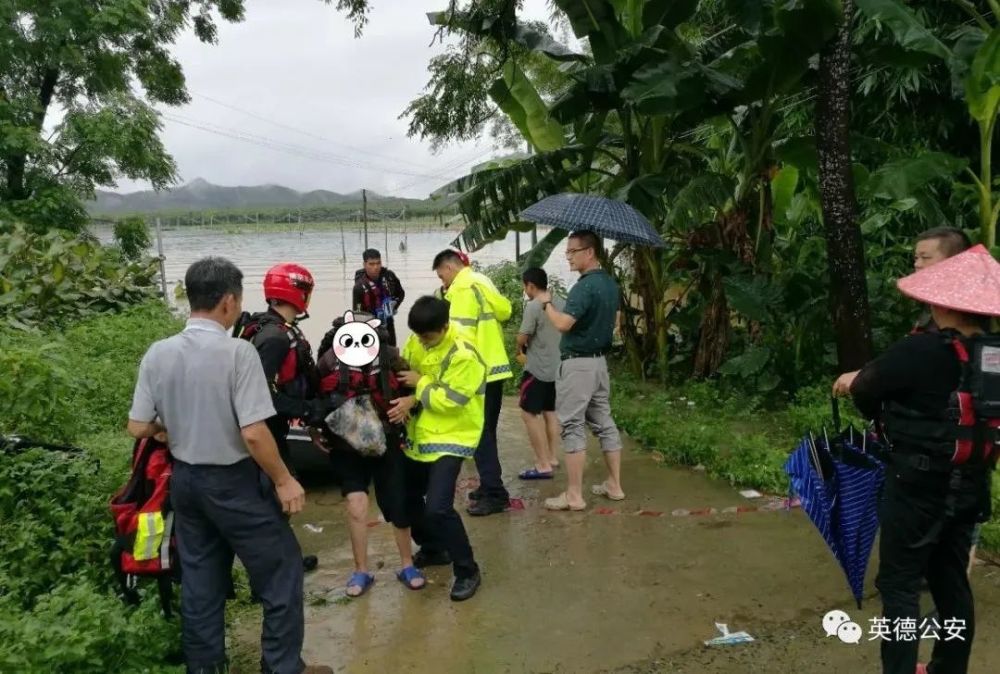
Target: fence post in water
(517, 245)
(364, 213)
(163, 266)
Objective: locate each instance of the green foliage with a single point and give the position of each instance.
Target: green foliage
(66, 384)
(85, 58)
(35, 377)
(57, 277)
(132, 236)
(58, 609)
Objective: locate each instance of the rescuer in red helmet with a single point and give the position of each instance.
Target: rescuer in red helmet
(286, 355)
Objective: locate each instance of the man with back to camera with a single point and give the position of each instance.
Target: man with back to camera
(230, 490)
(538, 345)
(583, 386)
(378, 291)
(478, 306)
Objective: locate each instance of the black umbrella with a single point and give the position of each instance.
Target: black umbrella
(601, 215)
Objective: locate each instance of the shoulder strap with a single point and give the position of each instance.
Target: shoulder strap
(383, 374)
(343, 381)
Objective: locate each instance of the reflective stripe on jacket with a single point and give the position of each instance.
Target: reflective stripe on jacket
(451, 392)
(477, 305)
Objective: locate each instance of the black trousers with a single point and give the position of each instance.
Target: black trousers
(221, 510)
(387, 473)
(918, 542)
(436, 526)
(487, 453)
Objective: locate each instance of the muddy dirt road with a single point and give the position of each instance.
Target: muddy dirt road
(606, 590)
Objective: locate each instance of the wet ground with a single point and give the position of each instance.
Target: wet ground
(623, 587)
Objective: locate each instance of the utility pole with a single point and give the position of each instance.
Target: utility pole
(534, 229)
(364, 213)
(163, 265)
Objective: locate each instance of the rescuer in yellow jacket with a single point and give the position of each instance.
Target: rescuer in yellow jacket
(477, 305)
(445, 416)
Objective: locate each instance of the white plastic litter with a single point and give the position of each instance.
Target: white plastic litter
(313, 528)
(750, 493)
(728, 637)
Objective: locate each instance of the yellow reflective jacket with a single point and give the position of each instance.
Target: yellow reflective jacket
(451, 392)
(476, 304)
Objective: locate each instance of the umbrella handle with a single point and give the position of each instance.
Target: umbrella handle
(835, 405)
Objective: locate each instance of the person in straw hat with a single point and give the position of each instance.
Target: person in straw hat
(937, 478)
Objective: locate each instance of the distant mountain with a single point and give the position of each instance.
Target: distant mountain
(201, 195)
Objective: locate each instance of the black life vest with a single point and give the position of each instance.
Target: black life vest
(967, 434)
(297, 376)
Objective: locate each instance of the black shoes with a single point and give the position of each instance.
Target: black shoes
(476, 494)
(424, 559)
(465, 588)
(488, 506)
(309, 562)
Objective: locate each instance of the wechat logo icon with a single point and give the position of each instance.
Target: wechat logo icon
(840, 625)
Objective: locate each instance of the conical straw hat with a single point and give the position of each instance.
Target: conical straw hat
(968, 282)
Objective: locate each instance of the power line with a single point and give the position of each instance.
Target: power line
(310, 134)
(297, 150)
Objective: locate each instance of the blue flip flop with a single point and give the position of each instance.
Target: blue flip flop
(534, 474)
(362, 580)
(408, 575)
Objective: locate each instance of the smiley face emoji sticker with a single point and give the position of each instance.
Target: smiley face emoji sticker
(356, 343)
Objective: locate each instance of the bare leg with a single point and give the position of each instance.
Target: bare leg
(575, 463)
(554, 431)
(613, 460)
(357, 523)
(535, 425)
(972, 560)
(405, 545)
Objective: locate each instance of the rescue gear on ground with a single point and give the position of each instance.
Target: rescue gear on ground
(145, 545)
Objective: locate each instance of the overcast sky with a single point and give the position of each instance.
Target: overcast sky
(296, 68)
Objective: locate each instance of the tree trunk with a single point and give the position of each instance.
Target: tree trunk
(845, 248)
(713, 341)
(17, 163)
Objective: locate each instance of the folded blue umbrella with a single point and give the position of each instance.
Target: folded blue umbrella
(839, 488)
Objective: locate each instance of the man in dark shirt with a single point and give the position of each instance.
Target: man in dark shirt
(286, 357)
(929, 506)
(583, 386)
(377, 291)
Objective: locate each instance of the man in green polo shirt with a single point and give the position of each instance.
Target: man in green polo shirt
(583, 387)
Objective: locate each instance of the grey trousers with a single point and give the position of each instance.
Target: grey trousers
(218, 511)
(583, 399)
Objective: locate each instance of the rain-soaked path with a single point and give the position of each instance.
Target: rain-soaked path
(606, 590)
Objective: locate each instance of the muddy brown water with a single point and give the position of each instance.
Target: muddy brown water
(332, 253)
(591, 592)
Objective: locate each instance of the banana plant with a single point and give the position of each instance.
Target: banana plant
(974, 59)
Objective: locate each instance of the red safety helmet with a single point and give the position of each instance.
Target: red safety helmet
(291, 283)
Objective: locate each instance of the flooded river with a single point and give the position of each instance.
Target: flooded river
(333, 255)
